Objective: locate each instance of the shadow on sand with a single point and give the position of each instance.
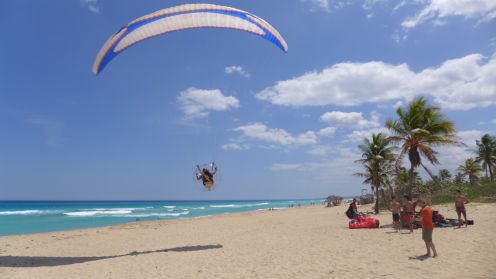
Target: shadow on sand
(419, 258)
(27, 261)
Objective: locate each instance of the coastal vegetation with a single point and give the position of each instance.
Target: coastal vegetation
(418, 132)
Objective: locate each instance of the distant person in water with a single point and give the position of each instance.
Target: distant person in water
(395, 208)
(409, 212)
(352, 211)
(427, 228)
(460, 202)
(207, 176)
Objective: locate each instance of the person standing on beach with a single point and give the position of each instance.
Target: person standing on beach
(395, 207)
(460, 202)
(409, 210)
(427, 228)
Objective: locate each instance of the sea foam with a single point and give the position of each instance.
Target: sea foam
(29, 212)
(97, 213)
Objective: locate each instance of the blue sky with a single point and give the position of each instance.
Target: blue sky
(278, 125)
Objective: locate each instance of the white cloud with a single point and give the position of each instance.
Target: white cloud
(369, 4)
(320, 150)
(452, 156)
(335, 149)
(346, 84)
(258, 131)
(284, 167)
(237, 70)
(438, 10)
(327, 5)
(398, 104)
(493, 121)
(333, 173)
(327, 132)
(350, 119)
(318, 4)
(92, 5)
(458, 84)
(492, 43)
(235, 146)
(399, 5)
(197, 103)
(357, 136)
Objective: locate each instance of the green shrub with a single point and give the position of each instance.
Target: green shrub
(446, 195)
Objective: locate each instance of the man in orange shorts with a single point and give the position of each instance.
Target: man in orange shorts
(427, 228)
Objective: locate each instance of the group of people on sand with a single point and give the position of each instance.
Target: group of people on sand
(425, 215)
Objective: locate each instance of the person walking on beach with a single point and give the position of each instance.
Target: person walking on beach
(460, 202)
(395, 207)
(409, 210)
(427, 228)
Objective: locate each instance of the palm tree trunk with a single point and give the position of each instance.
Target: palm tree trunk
(391, 191)
(491, 174)
(430, 174)
(376, 210)
(383, 194)
(412, 178)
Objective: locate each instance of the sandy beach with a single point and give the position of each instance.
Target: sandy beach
(306, 242)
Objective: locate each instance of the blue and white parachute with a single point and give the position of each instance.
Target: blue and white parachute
(183, 17)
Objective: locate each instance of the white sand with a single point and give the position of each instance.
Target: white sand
(307, 242)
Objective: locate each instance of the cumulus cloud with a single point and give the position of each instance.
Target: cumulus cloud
(237, 70)
(260, 132)
(327, 132)
(197, 103)
(92, 5)
(438, 10)
(346, 84)
(350, 119)
(458, 84)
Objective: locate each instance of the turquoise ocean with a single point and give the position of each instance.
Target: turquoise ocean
(23, 217)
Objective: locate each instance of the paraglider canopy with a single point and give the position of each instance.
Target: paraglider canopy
(183, 17)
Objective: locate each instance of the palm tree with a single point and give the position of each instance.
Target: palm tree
(472, 169)
(420, 127)
(402, 177)
(444, 175)
(375, 177)
(486, 153)
(376, 158)
(459, 179)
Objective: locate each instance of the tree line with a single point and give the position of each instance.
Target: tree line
(418, 131)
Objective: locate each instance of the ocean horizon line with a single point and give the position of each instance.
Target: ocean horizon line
(145, 200)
